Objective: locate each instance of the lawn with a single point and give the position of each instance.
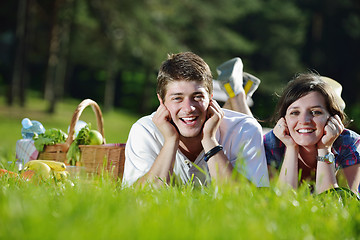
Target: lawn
(100, 208)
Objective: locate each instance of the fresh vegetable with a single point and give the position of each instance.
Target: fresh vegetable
(54, 165)
(4, 172)
(51, 136)
(86, 136)
(41, 169)
(95, 137)
(73, 154)
(27, 174)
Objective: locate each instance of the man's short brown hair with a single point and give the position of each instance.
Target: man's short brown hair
(183, 66)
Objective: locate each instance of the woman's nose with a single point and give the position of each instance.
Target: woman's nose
(306, 118)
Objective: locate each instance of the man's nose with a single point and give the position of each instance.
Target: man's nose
(188, 105)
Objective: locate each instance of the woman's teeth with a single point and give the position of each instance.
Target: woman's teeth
(306, 130)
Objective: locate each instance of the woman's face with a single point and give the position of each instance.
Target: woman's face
(306, 119)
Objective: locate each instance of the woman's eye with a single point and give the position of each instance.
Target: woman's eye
(315, 112)
(294, 113)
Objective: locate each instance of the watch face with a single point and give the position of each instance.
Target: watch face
(329, 158)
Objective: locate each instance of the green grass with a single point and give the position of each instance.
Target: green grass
(99, 208)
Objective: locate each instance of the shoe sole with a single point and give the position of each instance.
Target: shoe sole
(250, 83)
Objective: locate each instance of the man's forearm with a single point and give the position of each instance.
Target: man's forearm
(163, 165)
(219, 165)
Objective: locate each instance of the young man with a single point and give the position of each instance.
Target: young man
(189, 128)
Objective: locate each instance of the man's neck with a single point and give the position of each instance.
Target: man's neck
(191, 147)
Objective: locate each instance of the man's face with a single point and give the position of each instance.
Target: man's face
(187, 102)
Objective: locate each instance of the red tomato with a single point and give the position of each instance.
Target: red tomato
(3, 172)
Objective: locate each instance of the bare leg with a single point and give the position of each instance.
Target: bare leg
(238, 104)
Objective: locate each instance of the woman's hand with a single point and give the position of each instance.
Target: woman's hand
(162, 120)
(332, 130)
(281, 131)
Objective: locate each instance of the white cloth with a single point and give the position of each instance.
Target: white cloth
(239, 134)
(26, 150)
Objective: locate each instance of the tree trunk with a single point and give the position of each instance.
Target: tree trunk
(148, 92)
(110, 82)
(104, 16)
(58, 52)
(17, 88)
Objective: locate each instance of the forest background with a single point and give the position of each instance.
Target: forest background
(110, 50)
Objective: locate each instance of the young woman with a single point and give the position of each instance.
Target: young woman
(309, 139)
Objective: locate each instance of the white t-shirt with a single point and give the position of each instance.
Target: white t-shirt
(239, 134)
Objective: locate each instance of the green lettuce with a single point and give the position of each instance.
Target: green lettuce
(51, 136)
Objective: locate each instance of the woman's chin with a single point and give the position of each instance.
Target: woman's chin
(306, 142)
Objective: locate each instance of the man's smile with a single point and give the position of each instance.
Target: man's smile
(189, 120)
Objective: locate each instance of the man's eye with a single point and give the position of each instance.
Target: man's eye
(199, 97)
(177, 99)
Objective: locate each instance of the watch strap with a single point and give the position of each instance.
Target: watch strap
(328, 158)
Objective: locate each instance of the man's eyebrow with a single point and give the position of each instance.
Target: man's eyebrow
(176, 94)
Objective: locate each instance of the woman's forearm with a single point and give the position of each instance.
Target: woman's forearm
(289, 170)
(325, 173)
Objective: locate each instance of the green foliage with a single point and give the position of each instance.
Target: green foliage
(83, 138)
(51, 136)
(275, 39)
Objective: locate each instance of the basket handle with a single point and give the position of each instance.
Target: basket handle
(75, 118)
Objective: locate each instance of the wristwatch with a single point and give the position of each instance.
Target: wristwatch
(328, 158)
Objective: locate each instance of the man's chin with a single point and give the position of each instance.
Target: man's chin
(189, 134)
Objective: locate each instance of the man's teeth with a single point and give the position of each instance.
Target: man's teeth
(189, 118)
(306, 130)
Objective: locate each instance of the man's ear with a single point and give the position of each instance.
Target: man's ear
(159, 98)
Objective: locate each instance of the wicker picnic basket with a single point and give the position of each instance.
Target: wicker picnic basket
(95, 158)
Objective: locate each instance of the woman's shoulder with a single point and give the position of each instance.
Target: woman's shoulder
(271, 141)
(348, 136)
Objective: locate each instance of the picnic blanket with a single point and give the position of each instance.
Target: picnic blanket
(26, 151)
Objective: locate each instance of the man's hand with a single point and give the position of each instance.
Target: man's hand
(214, 116)
(162, 120)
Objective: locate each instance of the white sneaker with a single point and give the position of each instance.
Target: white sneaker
(232, 80)
(230, 74)
(218, 93)
(250, 84)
